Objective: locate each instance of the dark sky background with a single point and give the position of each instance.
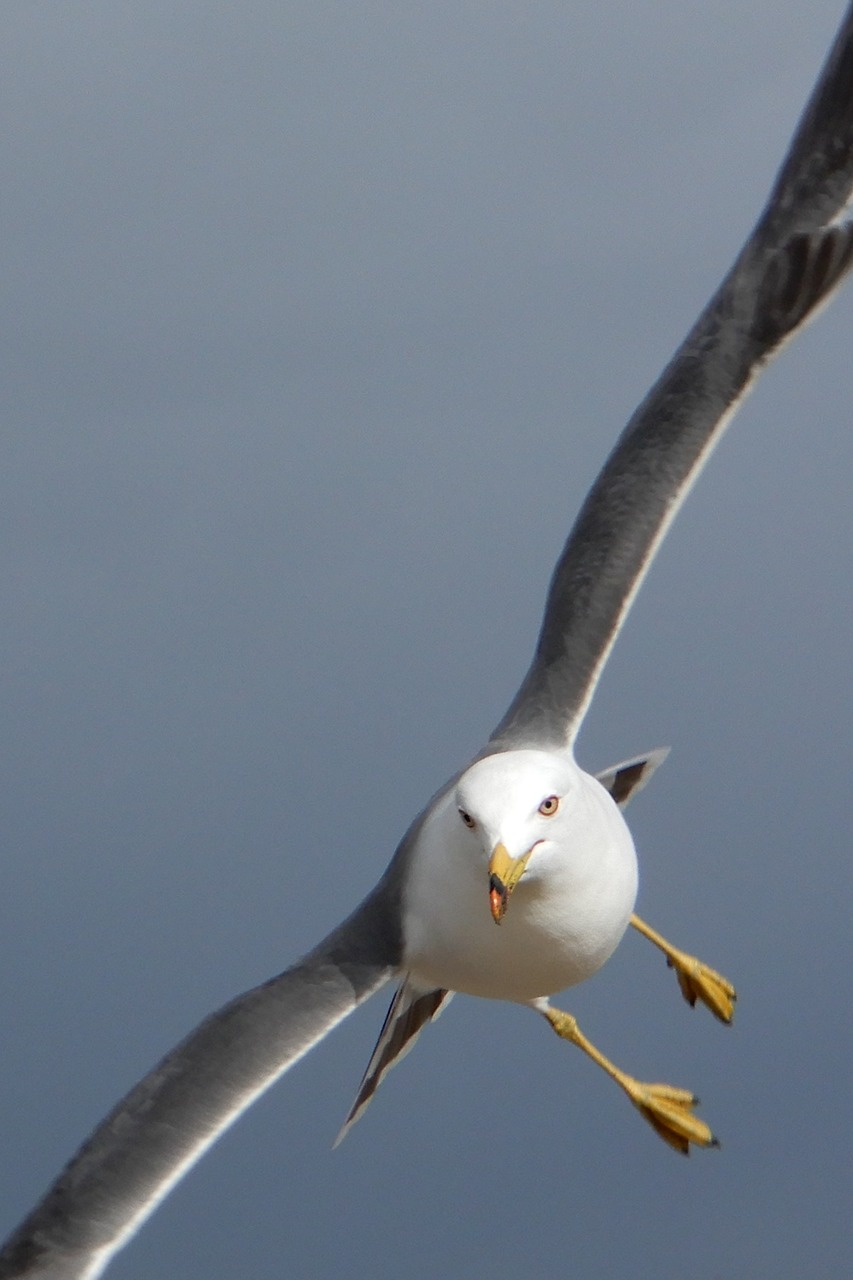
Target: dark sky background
(319, 321)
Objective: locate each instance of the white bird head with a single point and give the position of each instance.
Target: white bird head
(522, 809)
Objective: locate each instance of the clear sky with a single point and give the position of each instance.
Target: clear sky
(319, 321)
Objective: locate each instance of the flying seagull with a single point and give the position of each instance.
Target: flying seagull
(518, 878)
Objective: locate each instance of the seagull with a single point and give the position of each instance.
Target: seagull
(518, 879)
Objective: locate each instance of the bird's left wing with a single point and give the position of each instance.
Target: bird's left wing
(167, 1122)
(795, 258)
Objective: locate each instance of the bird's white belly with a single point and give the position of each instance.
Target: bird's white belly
(558, 930)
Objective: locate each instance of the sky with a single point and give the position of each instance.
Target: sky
(319, 320)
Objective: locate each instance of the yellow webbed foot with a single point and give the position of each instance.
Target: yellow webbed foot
(670, 1113)
(699, 981)
(668, 1110)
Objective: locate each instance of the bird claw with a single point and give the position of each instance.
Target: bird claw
(670, 1113)
(700, 982)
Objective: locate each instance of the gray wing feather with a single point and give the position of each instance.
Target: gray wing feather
(790, 265)
(167, 1122)
(410, 1011)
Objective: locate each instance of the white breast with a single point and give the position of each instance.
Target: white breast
(564, 918)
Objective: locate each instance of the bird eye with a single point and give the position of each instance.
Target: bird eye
(467, 819)
(549, 806)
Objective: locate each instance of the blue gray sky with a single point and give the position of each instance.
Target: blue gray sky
(319, 321)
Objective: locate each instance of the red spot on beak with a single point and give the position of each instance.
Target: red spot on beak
(498, 897)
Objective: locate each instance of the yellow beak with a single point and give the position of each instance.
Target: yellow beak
(504, 874)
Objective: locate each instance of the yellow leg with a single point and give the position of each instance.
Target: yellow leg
(668, 1110)
(697, 980)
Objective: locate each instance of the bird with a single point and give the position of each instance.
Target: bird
(518, 879)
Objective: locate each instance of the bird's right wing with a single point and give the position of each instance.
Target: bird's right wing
(168, 1121)
(792, 262)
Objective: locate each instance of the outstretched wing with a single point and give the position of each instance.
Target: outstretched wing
(167, 1122)
(791, 263)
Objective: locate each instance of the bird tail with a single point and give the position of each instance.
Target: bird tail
(411, 1009)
